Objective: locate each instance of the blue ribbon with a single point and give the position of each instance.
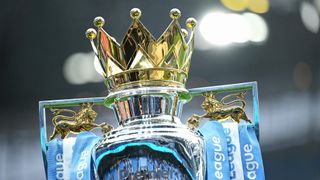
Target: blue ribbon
(55, 160)
(216, 154)
(250, 153)
(231, 131)
(81, 167)
(216, 151)
(81, 164)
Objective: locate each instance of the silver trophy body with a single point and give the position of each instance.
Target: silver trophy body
(152, 141)
(146, 79)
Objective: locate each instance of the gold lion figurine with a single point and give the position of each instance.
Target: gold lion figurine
(221, 110)
(77, 122)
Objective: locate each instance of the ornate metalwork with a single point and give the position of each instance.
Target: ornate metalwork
(141, 59)
(77, 122)
(221, 110)
(165, 106)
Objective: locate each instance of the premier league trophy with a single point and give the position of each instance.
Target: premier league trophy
(146, 81)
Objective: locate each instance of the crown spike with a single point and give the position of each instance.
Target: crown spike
(98, 22)
(191, 23)
(175, 13)
(135, 13)
(91, 34)
(140, 59)
(184, 33)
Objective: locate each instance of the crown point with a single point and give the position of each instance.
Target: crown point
(135, 13)
(184, 32)
(91, 33)
(191, 23)
(175, 13)
(98, 21)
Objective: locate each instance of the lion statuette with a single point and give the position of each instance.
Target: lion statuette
(76, 122)
(221, 110)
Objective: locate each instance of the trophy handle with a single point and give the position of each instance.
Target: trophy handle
(77, 122)
(215, 109)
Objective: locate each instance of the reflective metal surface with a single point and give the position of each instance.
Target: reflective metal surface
(247, 86)
(146, 78)
(147, 106)
(221, 110)
(76, 122)
(141, 59)
(187, 145)
(150, 130)
(163, 127)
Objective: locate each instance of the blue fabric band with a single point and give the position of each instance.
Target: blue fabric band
(80, 153)
(216, 151)
(250, 153)
(55, 160)
(82, 159)
(232, 151)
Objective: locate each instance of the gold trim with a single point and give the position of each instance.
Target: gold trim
(164, 59)
(147, 77)
(221, 110)
(77, 122)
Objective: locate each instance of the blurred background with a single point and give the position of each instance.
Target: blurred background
(44, 55)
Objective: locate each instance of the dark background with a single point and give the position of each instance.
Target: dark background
(36, 37)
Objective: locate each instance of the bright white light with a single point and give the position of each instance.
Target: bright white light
(214, 27)
(240, 28)
(310, 17)
(259, 28)
(225, 28)
(79, 69)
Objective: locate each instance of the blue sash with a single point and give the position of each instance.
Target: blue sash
(250, 153)
(55, 160)
(71, 159)
(216, 151)
(234, 153)
(82, 156)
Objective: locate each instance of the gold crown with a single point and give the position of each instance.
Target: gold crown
(141, 60)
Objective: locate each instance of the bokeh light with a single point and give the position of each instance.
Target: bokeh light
(79, 68)
(236, 5)
(215, 28)
(310, 17)
(259, 28)
(220, 28)
(302, 76)
(257, 6)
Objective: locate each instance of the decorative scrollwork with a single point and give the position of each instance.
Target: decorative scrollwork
(77, 122)
(221, 110)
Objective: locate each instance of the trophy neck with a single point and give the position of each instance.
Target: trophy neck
(151, 105)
